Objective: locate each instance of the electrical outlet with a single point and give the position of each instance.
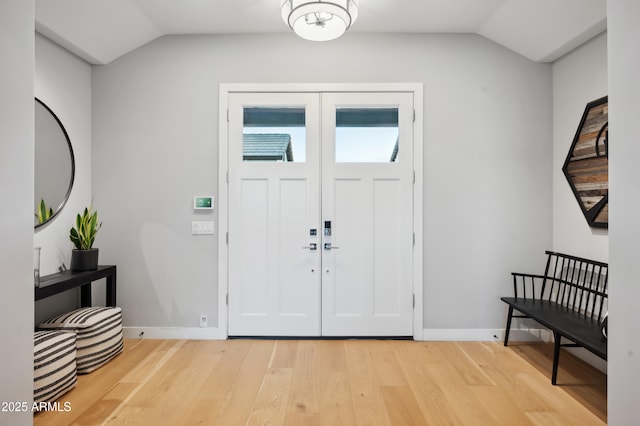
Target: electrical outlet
(203, 320)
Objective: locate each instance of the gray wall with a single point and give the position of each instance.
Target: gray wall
(487, 139)
(624, 229)
(63, 82)
(578, 78)
(16, 221)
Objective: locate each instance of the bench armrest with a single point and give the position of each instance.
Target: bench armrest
(527, 281)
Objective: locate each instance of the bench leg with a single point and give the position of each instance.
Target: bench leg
(556, 356)
(506, 334)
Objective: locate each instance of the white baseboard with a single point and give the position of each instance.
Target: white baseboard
(589, 358)
(178, 333)
(212, 333)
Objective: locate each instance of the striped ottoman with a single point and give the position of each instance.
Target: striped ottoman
(98, 331)
(54, 364)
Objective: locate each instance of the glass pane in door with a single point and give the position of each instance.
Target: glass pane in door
(367, 135)
(274, 134)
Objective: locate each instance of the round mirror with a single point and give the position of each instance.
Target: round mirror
(54, 165)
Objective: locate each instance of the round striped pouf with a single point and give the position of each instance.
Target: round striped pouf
(98, 334)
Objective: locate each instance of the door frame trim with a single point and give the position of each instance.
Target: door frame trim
(226, 89)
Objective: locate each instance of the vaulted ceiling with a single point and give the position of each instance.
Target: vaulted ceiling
(100, 31)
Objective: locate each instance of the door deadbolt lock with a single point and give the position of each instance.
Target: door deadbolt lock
(327, 228)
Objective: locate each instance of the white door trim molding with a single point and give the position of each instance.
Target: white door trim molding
(223, 169)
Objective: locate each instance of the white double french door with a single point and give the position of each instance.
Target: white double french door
(320, 214)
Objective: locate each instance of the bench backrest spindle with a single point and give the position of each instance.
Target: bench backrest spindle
(544, 281)
(564, 276)
(576, 274)
(593, 284)
(587, 280)
(604, 291)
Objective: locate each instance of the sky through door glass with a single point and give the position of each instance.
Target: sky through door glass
(367, 135)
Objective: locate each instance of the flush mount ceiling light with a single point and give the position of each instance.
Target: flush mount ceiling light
(319, 20)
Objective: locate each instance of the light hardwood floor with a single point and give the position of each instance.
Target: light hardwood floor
(334, 382)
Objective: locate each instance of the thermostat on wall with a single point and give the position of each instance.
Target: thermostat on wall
(203, 202)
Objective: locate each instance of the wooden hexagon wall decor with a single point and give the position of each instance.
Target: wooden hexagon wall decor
(587, 165)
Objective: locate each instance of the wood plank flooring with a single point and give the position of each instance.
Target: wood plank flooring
(334, 382)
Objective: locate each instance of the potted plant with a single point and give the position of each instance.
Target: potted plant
(84, 257)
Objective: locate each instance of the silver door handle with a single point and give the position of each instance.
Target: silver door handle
(311, 246)
(328, 246)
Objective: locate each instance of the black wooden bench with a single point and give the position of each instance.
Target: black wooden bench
(570, 299)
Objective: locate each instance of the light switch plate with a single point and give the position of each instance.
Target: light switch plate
(202, 228)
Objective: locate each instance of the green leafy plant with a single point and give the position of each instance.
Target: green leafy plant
(87, 226)
(43, 214)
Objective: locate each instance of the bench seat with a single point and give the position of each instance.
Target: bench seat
(571, 325)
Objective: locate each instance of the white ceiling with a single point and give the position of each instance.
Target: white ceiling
(100, 31)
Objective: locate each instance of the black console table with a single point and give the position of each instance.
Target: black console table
(63, 281)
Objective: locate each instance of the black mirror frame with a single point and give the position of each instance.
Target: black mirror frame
(73, 166)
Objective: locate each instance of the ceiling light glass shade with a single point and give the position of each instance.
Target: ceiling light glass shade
(319, 20)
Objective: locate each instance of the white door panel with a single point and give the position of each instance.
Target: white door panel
(362, 285)
(274, 284)
(366, 286)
